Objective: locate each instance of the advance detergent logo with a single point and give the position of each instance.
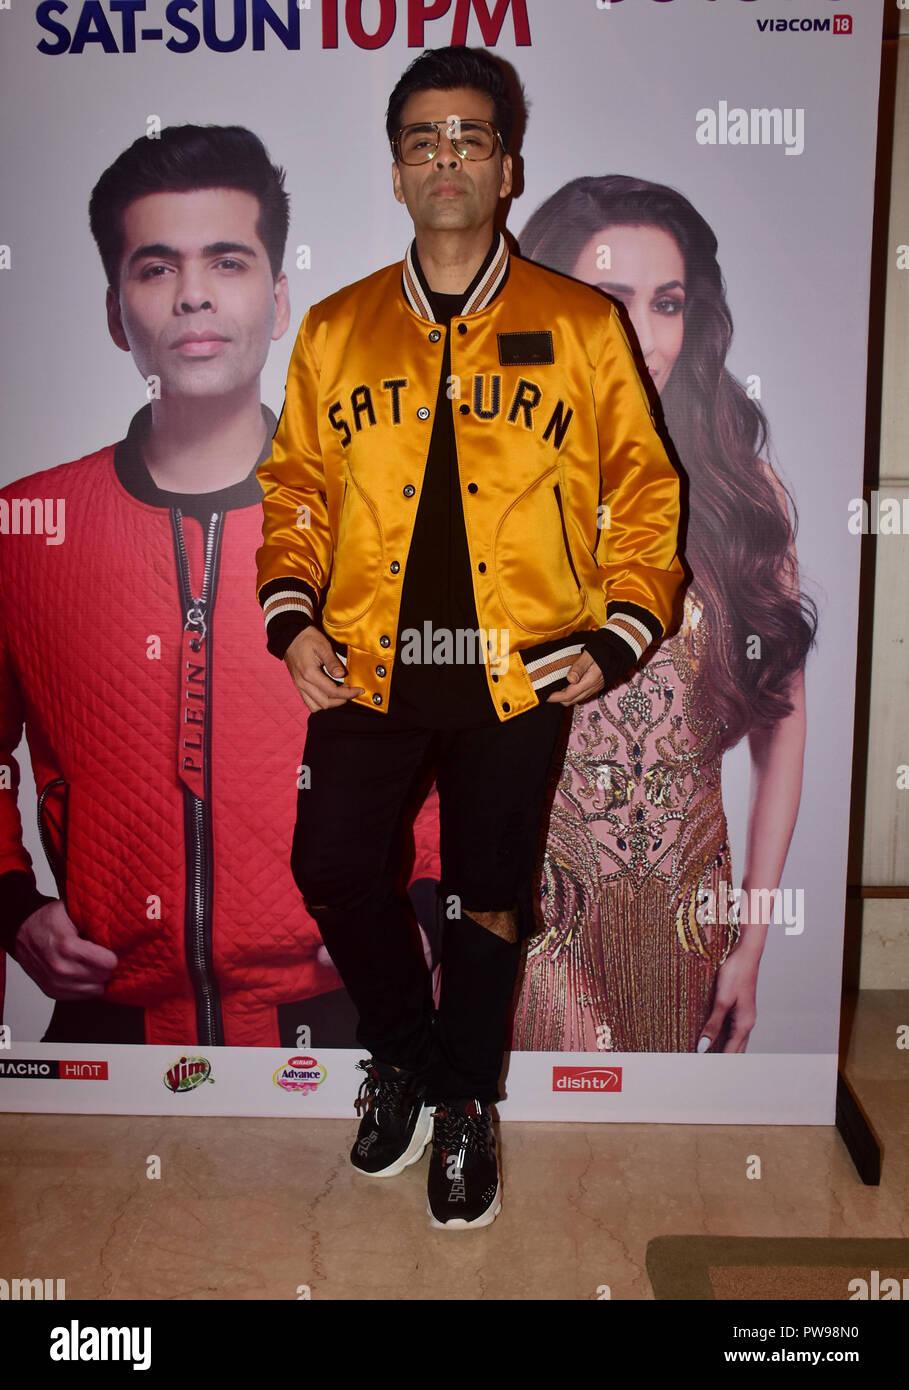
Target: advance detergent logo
(587, 1079)
(300, 1074)
(188, 1073)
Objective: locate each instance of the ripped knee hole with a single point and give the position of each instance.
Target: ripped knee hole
(503, 924)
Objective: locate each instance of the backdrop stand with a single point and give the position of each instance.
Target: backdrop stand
(857, 1134)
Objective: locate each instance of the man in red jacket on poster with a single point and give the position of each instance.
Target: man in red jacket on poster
(130, 647)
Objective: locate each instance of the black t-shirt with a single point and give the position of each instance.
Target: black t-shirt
(437, 584)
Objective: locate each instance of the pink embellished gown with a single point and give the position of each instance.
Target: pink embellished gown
(628, 957)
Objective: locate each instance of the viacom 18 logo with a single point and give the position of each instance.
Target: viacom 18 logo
(587, 1078)
(188, 1073)
(300, 1074)
(829, 24)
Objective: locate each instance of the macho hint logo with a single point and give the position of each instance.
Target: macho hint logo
(64, 1069)
(587, 1078)
(300, 1074)
(224, 26)
(188, 1073)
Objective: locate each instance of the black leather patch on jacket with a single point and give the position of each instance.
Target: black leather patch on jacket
(525, 349)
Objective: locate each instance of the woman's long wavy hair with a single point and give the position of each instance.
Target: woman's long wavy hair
(738, 535)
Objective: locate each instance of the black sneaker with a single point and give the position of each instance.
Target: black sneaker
(464, 1170)
(397, 1125)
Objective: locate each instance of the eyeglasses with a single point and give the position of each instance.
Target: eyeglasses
(415, 144)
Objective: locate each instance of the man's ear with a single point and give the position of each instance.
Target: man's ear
(114, 321)
(282, 307)
(506, 176)
(396, 182)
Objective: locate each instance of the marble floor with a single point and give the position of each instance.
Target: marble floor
(256, 1209)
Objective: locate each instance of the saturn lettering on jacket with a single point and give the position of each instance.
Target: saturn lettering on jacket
(523, 409)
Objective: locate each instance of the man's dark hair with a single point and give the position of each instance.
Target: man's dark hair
(185, 158)
(442, 69)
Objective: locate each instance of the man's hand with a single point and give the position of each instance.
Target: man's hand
(585, 679)
(606, 660)
(62, 964)
(305, 657)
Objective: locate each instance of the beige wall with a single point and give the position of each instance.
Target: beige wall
(885, 935)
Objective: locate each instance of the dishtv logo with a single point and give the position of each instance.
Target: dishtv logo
(587, 1078)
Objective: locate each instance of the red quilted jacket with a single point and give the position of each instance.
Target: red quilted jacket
(166, 769)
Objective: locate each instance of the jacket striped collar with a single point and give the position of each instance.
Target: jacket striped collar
(486, 285)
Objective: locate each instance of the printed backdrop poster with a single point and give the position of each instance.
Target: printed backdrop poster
(709, 164)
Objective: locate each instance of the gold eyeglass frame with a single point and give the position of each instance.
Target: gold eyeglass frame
(452, 126)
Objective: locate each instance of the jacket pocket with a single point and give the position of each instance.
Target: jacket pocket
(535, 575)
(357, 562)
(558, 497)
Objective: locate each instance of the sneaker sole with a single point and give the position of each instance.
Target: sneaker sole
(412, 1154)
(458, 1223)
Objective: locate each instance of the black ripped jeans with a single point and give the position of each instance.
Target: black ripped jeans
(494, 783)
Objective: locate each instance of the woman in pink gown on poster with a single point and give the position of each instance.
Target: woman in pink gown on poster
(645, 946)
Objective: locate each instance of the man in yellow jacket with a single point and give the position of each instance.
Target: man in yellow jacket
(469, 524)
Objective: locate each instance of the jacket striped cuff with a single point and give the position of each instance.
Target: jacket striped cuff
(616, 646)
(288, 606)
(635, 624)
(548, 662)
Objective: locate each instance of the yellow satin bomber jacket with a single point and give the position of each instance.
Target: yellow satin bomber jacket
(570, 501)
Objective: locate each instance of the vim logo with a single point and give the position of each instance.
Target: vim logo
(188, 1073)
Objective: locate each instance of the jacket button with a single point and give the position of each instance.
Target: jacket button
(409, 490)
(384, 641)
(506, 706)
(377, 699)
(380, 670)
(471, 487)
(495, 678)
(394, 566)
(434, 336)
(464, 409)
(423, 412)
(462, 327)
(481, 567)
